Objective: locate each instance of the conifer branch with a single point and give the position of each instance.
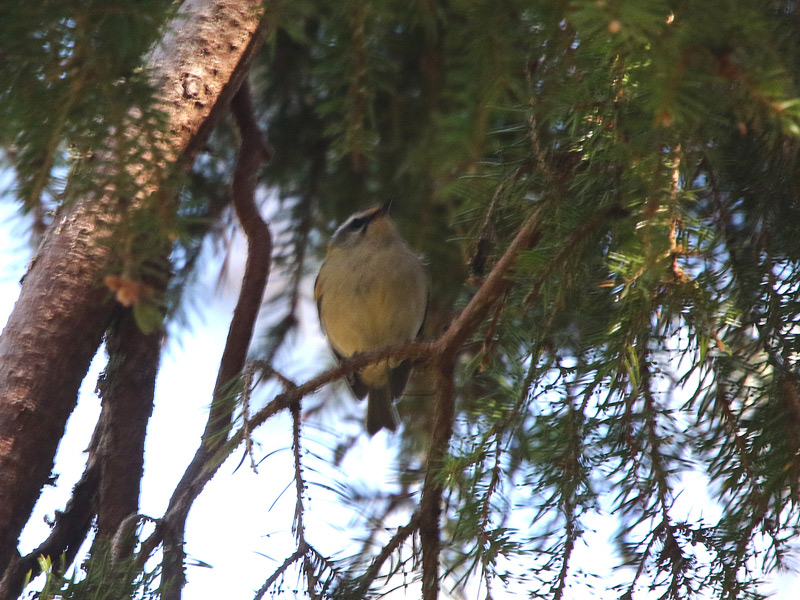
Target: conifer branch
(447, 346)
(298, 522)
(484, 541)
(247, 386)
(297, 555)
(444, 350)
(371, 574)
(430, 506)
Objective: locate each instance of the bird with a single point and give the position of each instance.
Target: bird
(372, 291)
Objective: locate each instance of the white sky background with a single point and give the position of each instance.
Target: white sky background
(231, 525)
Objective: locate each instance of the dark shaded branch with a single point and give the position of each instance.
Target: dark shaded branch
(126, 387)
(568, 484)
(430, 506)
(457, 334)
(252, 153)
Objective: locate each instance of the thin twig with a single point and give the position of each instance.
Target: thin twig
(365, 581)
(298, 474)
(568, 486)
(247, 386)
(297, 555)
(269, 371)
(487, 237)
(299, 509)
(483, 536)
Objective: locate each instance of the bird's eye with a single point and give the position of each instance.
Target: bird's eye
(357, 224)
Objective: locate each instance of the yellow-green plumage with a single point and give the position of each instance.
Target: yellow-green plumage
(372, 292)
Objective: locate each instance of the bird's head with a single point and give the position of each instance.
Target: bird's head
(371, 226)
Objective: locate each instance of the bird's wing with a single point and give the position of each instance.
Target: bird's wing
(398, 377)
(318, 298)
(353, 380)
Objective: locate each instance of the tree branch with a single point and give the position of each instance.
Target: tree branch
(371, 574)
(492, 289)
(126, 387)
(297, 555)
(430, 504)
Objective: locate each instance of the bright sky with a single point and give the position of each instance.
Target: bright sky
(241, 524)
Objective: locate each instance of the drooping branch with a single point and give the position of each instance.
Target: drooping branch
(430, 507)
(252, 153)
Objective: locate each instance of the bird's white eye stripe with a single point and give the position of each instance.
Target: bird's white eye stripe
(351, 225)
(357, 222)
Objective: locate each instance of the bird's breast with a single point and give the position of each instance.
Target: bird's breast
(372, 299)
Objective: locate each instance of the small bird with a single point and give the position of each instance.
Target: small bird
(372, 292)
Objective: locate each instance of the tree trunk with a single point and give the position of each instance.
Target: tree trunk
(63, 309)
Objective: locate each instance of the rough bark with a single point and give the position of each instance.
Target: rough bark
(63, 309)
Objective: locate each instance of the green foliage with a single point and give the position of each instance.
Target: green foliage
(652, 331)
(71, 73)
(102, 579)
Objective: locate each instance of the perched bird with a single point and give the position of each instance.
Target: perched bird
(372, 292)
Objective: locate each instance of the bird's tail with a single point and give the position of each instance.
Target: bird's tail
(380, 410)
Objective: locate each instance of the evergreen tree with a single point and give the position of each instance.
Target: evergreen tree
(605, 193)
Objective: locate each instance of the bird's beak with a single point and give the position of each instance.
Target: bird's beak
(383, 209)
